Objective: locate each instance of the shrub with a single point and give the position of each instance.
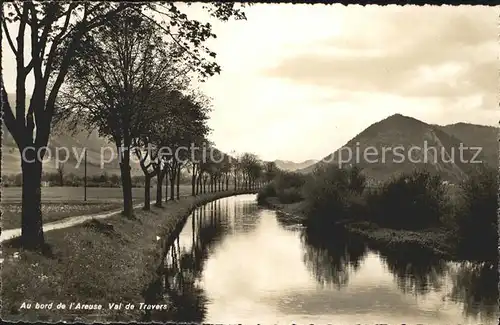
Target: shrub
(267, 191)
(290, 195)
(286, 180)
(10, 180)
(73, 180)
(356, 206)
(115, 180)
(138, 181)
(333, 194)
(18, 179)
(410, 201)
(477, 221)
(286, 186)
(356, 180)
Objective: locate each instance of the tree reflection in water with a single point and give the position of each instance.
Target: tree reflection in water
(416, 270)
(183, 267)
(476, 286)
(245, 214)
(331, 260)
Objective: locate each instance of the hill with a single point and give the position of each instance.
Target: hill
(400, 144)
(75, 141)
(475, 135)
(293, 166)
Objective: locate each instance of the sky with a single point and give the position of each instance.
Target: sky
(299, 81)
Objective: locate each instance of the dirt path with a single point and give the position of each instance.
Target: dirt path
(67, 222)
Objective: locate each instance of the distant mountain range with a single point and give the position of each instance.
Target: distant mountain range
(75, 141)
(483, 136)
(293, 166)
(407, 132)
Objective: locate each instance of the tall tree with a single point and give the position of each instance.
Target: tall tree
(155, 136)
(249, 168)
(270, 171)
(54, 31)
(122, 72)
(188, 125)
(226, 166)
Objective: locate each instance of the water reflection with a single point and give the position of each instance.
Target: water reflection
(332, 260)
(235, 263)
(416, 271)
(476, 287)
(183, 266)
(472, 285)
(184, 262)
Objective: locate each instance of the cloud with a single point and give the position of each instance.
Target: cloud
(439, 52)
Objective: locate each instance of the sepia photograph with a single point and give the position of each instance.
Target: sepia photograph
(249, 163)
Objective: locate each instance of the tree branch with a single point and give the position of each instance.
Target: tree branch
(9, 38)
(8, 116)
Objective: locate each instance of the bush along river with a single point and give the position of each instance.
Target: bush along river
(234, 262)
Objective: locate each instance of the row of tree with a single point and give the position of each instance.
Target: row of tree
(123, 68)
(221, 174)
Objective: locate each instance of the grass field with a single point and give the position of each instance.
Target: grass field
(63, 202)
(53, 211)
(75, 194)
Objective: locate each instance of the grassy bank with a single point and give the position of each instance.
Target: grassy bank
(437, 241)
(288, 213)
(98, 262)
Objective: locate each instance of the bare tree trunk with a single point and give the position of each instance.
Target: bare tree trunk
(126, 184)
(159, 183)
(31, 220)
(147, 192)
(61, 177)
(172, 182)
(193, 180)
(198, 183)
(178, 181)
(167, 177)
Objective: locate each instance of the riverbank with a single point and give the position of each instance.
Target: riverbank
(437, 241)
(292, 213)
(95, 263)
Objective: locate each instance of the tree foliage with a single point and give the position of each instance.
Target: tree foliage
(410, 201)
(477, 217)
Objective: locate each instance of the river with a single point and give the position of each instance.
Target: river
(235, 262)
